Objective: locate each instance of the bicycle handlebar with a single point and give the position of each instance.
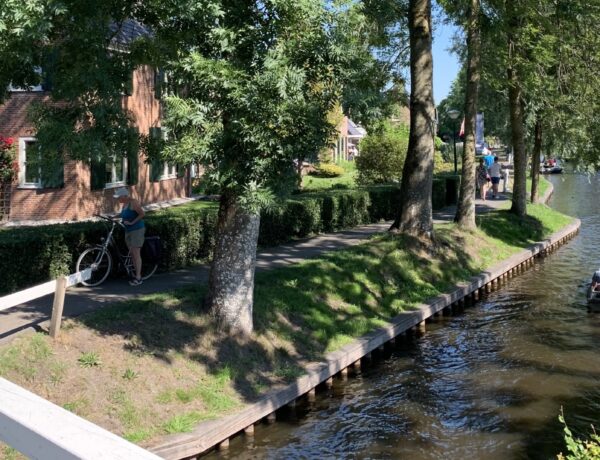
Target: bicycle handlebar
(110, 219)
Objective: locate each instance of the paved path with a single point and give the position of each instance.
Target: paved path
(35, 315)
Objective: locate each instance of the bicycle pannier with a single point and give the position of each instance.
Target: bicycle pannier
(152, 249)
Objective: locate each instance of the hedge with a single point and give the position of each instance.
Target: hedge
(31, 255)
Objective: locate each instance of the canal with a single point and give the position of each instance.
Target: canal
(486, 384)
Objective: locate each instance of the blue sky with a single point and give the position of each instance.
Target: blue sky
(445, 64)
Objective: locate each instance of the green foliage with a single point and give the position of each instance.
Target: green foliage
(329, 170)
(8, 163)
(382, 155)
(188, 232)
(89, 359)
(579, 449)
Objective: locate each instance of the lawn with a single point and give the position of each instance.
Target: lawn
(311, 183)
(157, 365)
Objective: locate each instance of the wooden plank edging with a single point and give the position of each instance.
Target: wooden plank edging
(209, 434)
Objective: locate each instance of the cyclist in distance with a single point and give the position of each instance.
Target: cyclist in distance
(132, 216)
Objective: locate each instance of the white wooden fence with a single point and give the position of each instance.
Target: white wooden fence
(58, 287)
(42, 430)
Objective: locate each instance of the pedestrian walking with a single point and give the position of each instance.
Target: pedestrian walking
(481, 177)
(495, 172)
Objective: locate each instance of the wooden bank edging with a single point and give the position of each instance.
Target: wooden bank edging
(218, 432)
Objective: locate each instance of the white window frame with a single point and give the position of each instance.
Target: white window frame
(169, 171)
(23, 166)
(117, 183)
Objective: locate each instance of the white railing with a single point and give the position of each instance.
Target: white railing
(39, 429)
(58, 287)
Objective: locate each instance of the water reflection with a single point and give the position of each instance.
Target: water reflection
(488, 384)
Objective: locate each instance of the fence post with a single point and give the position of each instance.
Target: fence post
(57, 306)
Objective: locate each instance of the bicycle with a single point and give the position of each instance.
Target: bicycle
(100, 258)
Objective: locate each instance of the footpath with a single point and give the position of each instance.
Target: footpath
(35, 315)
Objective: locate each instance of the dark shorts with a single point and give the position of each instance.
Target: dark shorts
(495, 180)
(135, 238)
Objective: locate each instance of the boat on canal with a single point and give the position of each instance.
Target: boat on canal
(551, 166)
(593, 299)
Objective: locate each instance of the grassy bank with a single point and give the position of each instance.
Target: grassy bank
(156, 365)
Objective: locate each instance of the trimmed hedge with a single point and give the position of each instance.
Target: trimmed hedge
(31, 255)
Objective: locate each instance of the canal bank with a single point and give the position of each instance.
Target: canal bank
(488, 383)
(158, 364)
(353, 357)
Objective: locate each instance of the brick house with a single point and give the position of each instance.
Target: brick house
(77, 190)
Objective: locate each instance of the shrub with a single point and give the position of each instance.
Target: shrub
(382, 155)
(328, 170)
(36, 254)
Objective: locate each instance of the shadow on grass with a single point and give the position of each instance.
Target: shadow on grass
(304, 311)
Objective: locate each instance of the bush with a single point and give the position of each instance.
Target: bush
(328, 170)
(32, 255)
(382, 155)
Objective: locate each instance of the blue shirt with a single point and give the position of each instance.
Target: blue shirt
(489, 160)
(128, 214)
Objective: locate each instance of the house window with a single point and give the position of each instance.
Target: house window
(30, 164)
(169, 171)
(115, 172)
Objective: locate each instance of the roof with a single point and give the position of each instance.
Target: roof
(355, 130)
(128, 31)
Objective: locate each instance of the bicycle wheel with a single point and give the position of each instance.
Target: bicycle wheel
(148, 269)
(99, 260)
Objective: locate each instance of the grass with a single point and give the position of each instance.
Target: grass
(165, 367)
(347, 180)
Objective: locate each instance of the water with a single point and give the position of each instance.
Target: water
(488, 384)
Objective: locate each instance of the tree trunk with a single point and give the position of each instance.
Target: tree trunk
(535, 160)
(231, 282)
(465, 210)
(515, 100)
(414, 214)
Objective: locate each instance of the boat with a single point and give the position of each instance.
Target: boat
(551, 170)
(551, 166)
(593, 299)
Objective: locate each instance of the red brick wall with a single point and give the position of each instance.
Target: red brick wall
(76, 200)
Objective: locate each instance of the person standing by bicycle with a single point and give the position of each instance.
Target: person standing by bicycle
(132, 216)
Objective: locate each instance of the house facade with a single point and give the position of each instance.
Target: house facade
(76, 190)
(349, 135)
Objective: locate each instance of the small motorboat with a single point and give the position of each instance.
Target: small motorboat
(551, 170)
(593, 299)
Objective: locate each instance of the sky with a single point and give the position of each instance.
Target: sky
(445, 64)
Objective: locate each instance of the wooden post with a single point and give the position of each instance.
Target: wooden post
(223, 445)
(311, 395)
(356, 365)
(329, 383)
(249, 430)
(422, 327)
(344, 374)
(271, 418)
(57, 306)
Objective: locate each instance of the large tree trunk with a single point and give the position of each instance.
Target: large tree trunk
(231, 282)
(465, 211)
(515, 100)
(535, 160)
(415, 215)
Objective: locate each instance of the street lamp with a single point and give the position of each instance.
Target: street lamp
(453, 114)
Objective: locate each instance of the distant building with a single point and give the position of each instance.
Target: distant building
(349, 135)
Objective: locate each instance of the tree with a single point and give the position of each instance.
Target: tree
(415, 213)
(252, 83)
(249, 83)
(465, 210)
